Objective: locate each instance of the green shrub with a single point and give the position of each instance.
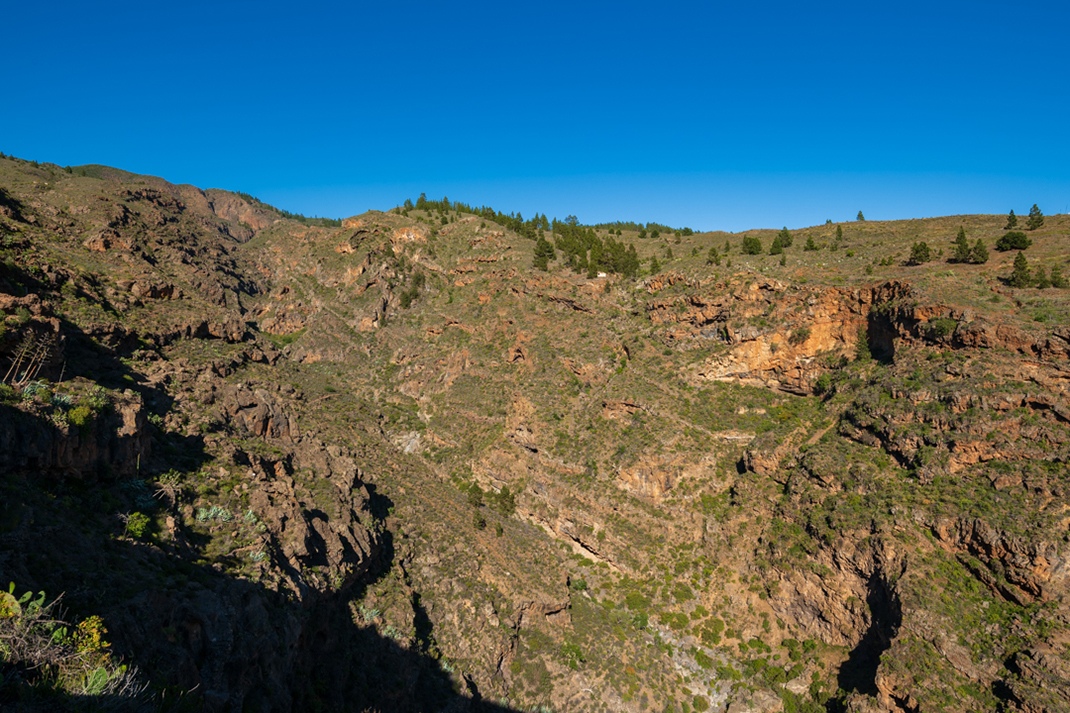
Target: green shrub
(862, 350)
(798, 336)
(506, 501)
(573, 655)
(751, 245)
(474, 494)
(138, 525)
(920, 253)
(79, 415)
(71, 660)
(941, 328)
(1014, 240)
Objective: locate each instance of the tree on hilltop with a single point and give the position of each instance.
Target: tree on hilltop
(1036, 218)
(861, 218)
(1012, 221)
(785, 237)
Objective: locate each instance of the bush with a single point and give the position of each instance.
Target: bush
(475, 495)
(862, 350)
(752, 245)
(799, 335)
(941, 328)
(1057, 279)
(76, 663)
(920, 253)
(138, 525)
(573, 655)
(1014, 240)
(79, 415)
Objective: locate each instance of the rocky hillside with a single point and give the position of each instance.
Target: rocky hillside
(389, 465)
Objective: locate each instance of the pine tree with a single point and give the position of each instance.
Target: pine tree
(544, 252)
(962, 248)
(1012, 221)
(861, 218)
(712, 257)
(1042, 280)
(810, 244)
(979, 253)
(785, 237)
(777, 248)
(920, 253)
(752, 245)
(1057, 279)
(1021, 276)
(655, 266)
(1036, 218)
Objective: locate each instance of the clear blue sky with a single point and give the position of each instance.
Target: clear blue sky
(712, 115)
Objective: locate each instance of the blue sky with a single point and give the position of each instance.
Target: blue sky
(711, 115)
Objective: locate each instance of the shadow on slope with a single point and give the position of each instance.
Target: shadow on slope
(203, 636)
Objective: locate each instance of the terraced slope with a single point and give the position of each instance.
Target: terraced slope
(391, 466)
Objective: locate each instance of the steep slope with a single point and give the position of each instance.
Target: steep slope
(390, 466)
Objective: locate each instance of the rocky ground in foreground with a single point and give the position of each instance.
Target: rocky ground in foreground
(389, 465)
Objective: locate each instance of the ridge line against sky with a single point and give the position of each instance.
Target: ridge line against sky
(714, 117)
